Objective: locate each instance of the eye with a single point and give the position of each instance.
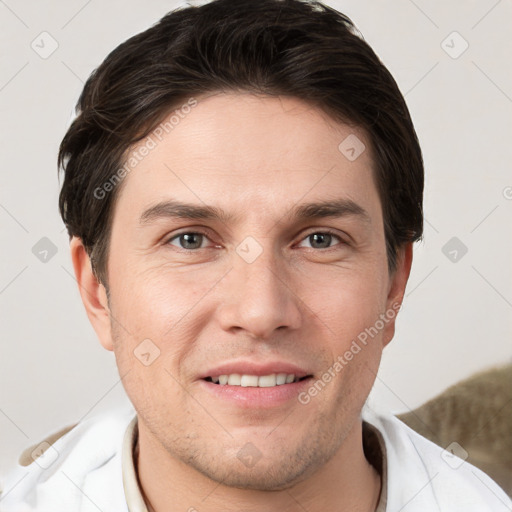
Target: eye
(191, 240)
(322, 239)
(188, 240)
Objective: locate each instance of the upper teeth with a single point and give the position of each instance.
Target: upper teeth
(263, 381)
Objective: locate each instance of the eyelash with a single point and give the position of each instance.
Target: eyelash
(200, 232)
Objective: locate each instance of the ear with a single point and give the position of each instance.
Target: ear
(396, 290)
(93, 293)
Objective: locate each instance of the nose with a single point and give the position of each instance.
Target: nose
(258, 297)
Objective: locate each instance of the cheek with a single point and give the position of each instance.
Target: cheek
(155, 299)
(156, 318)
(347, 302)
(350, 310)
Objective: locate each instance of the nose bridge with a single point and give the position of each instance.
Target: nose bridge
(262, 271)
(258, 297)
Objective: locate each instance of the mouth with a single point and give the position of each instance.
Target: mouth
(256, 381)
(265, 391)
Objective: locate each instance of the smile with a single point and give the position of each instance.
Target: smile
(262, 381)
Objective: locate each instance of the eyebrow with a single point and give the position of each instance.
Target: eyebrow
(321, 209)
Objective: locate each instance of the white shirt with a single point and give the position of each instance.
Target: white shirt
(91, 468)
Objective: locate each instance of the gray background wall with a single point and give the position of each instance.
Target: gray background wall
(457, 315)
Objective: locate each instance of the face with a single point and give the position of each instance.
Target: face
(261, 278)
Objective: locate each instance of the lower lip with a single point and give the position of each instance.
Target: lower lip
(252, 397)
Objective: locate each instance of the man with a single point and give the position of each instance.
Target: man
(243, 186)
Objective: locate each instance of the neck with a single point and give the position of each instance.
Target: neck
(346, 482)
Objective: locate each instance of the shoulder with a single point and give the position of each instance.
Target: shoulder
(55, 472)
(33, 452)
(423, 476)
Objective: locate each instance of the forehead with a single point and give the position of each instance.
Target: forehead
(253, 153)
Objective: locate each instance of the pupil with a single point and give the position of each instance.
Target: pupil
(324, 238)
(188, 238)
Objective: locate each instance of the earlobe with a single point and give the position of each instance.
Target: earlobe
(396, 290)
(92, 292)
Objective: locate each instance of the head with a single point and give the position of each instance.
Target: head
(243, 182)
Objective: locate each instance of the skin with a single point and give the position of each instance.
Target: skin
(301, 301)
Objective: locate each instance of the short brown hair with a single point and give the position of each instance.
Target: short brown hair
(293, 48)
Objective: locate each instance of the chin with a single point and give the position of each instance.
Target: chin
(275, 475)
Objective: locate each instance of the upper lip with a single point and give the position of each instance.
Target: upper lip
(252, 368)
